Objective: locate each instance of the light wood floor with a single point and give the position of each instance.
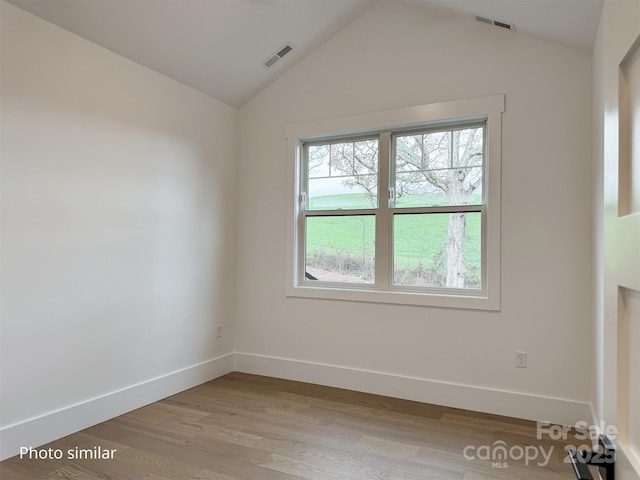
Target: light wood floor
(246, 427)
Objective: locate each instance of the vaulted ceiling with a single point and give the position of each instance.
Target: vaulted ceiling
(219, 46)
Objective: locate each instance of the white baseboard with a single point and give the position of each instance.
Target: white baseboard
(53, 425)
(57, 424)
(520, 405)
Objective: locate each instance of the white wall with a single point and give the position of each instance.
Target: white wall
(399, 55)
(118, 231)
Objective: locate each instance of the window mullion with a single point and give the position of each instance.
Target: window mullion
(383, 220)
(301, 206)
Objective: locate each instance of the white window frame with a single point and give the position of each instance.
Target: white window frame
(489, 109)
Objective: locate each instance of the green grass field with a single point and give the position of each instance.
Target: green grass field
(419, 240)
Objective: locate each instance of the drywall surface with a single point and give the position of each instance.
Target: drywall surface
(117, 231)
(399, 55)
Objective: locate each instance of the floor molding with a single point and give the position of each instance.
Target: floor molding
(514, 404)
(53, 425)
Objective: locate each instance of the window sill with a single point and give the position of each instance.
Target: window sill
(468, 301)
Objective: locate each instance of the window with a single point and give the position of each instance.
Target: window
(399, 206)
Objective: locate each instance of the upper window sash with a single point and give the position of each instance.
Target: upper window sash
(439, 153)
(346, 165)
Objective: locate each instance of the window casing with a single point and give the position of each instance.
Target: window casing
(377, 188)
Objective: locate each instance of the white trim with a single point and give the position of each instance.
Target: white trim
(489, 108)
(73, 418)
(595, 421)
(627, 460)
(362, 123)
(470, 397)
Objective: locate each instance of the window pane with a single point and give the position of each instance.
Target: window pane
(438, 250)
(343, 175)
(439, 168)
(341, 249)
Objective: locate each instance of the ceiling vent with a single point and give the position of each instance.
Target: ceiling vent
(497, 23)
(277, 56)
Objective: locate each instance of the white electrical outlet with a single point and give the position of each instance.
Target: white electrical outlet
(521, 359)
(218, 331)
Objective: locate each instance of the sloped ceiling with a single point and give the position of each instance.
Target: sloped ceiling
(573, 23)
(218, 46)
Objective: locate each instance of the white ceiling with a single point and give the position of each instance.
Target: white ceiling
(218, 46)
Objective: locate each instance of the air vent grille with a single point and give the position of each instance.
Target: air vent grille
(497, 23)
(278, 55)
(272, 61)
(484, 20)
(286, 49)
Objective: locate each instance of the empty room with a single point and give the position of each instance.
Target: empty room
(320, 239)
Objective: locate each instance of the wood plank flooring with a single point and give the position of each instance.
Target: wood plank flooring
(247, 427)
